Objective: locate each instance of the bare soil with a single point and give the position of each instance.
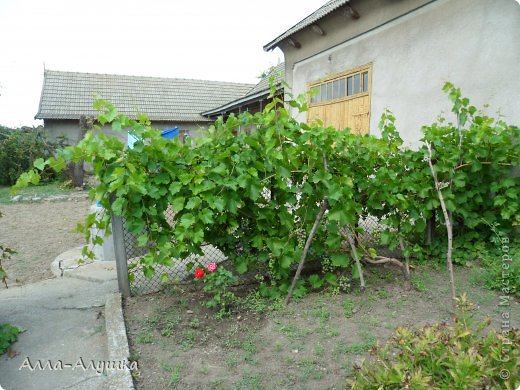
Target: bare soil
(311, 344)
(39, 232)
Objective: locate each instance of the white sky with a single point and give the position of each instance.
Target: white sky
(213, 40)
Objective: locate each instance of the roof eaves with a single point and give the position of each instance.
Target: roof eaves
(321, 12)
(236, 103)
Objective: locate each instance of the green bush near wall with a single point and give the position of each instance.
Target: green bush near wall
(19, 148)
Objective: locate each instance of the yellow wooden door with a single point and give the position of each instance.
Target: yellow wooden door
(339, 104)
(353, 113)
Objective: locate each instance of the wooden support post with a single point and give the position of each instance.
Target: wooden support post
(352, 243)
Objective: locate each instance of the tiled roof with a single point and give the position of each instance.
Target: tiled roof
(259, 91)
(309, 20)
(67, 95)
(277, 71)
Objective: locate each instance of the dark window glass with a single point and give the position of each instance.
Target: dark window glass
(357, 83)
(336, 89)
(342, 87)
(329, 91)
(349, 86)
(323, 92)
(365, 81)
(342, 84)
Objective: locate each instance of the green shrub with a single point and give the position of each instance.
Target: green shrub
(8, 335)
(19, 148)
(256, 194)
(461, 356)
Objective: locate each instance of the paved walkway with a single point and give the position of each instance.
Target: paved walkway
(65, 324)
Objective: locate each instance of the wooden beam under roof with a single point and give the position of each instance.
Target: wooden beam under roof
(350, 11)
(317, 29)
(294, 43)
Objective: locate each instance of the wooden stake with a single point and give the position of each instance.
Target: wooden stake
(449, 229)
(356, 257)
(323, 208)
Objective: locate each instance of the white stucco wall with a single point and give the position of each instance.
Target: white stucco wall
(475, 44)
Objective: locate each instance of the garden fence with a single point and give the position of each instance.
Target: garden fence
(128, 254)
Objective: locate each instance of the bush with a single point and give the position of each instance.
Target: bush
(18, 150)
(444, 357)
(256, 195)
(8, 335)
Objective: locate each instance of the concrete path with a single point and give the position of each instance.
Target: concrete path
(65, 325)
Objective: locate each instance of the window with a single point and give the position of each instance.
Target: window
(340, 87)
(357, 84)
(336, 88)
(342, 90)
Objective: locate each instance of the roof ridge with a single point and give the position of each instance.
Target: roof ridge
(146, 77)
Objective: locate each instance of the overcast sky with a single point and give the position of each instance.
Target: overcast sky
(212, 40)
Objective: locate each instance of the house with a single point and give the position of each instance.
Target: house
(253, 101)
(168, 102)
(359, 57)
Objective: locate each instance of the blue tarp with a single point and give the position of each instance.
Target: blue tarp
(170, 133)
(167, 133)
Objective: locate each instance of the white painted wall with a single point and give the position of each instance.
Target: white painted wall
(475, 44)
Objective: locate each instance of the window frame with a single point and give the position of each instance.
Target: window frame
(360, 70)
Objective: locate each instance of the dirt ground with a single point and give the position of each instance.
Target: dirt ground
(39, 232)
(311, 344)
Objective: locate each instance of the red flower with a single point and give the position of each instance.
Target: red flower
(212, 267)
(199, 273)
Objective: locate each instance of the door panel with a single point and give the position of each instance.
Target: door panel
(353, 113)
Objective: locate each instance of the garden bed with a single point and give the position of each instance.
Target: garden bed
(313, 343)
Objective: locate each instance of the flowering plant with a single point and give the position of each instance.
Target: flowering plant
(199, 273)
(217, 282)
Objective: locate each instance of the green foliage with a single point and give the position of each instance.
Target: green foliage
(461, 356)
(502, 268)
(5, 254)
(8, 335)
(255, 194)
(19, 148)
(476, 158)
(218, 284)
(348, 307)
(471, 250)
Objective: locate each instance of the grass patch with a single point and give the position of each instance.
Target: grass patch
(40, 191)
(175, 374)
(348, 307)
(145, 337)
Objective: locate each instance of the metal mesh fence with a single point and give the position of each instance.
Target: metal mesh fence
(179, 272)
